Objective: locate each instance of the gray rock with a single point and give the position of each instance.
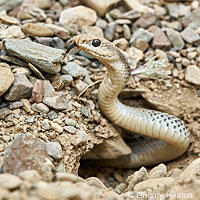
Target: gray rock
(45, 124)
(73, 69)
(4, 112)
(110, 31)
(21, 88)
(54, 150)
(46, 58)
(82, 137)
(101, 23)
(70, 122)
(70, 129)
(56, 100)
(9, 4)
(175, 38)
(52, 115)
(192, 20)
(141, 34)
(66, 79)
(48, 88)
(30, 119)
(173, 9)
(190, 35)
(40, 108)
(15, 105)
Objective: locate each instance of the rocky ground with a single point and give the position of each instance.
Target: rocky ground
(46, 126)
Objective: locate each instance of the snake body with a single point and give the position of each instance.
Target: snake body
(171, 136)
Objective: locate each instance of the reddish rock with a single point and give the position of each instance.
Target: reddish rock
(146, 20)
(38, 91)
(160, 40)
(27, 153)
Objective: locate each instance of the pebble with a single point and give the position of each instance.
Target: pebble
(192, 74)
(15, 105)
(44, 4)
(6, 79)
(190, 35)
(26, 105)
(161, 54)
(82, 137)
(54, 150)
(175, 38)
(4, 112)
(80, 15)
(52, 115)
(109, 31)
(141, 44)
(9, 4)
(158, 171)
(56, 127)
(47, 59)
(141, 34)
(30, 119)
(21, 88)
(146, 20)
(80, 86)
(33, 29)
(191, 55)
(160, 40)
(173, 9)
(26, 152)
(101, 23)
(101, 7)
(61, 176)
(95, 182)
(175, 25)
(55, 100)
(185, 62)
(93, 30)
(40, 108)
(121, 43)
(192, 20)
(38, 91)
(12, 32)
(66, 79)
(9, 181)
(6, 19)
(70, 129)
(126, 31)
(73, 69)
(30, 175)
(115, 13)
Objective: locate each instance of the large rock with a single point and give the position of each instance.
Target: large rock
(80, 15)
(9, 4)
(21, 88)
(27, 153)
(46, 58)
(6, 79)
(102, 6)
(193, 74)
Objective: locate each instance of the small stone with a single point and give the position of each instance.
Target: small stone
(185, 62)
(93, 30)
(44, 4)
(141, 44)
(126, 31)
(175, 73)
(191, 55)
(80, 15)
(61, 176)
(73, 69)
(161, 54)
(21, 88)
(6, 79)
(21, 70)
(48, 88)
(52, 115)
(56, 100)
(26, 105)
(9, 181)
(82, 137)
(4, 112)
(8, 19)
(40, 108)
(141, 34)
(47, 59)
(192, 20)
(160, 40)
(101, 23)
(58, 31)
(26, 152)
(190, 35)
(160, 11)
(38, 91)
(30, 119)
(70, 129)
(70, 122)
(15, 105)
(175, 39)
(184, 10)
(12, 32)
(66, 79)
(95, 182)
(37, 30)
(56, 127)
(101, 7)
(192, 74)
(175, 25)
(146, 20)
(30, 175)
(109, 31)
(45, 124)
(80, 86)
(115, 13)
(121, 43)
(173, 10)
(54, 150)
(9, 4)
(158, 171)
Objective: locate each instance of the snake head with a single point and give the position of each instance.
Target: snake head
(97, 47)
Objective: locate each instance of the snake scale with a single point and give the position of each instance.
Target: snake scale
(171, 136)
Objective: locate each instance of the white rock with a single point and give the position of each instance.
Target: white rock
(192, 74)
(12, 32)
(9, 181)
(80, 15)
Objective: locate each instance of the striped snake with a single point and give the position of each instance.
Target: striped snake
(168, 136)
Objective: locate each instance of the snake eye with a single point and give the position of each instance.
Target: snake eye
(96, 42)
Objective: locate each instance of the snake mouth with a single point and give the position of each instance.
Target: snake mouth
(71, 47)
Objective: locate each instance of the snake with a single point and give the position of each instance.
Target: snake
(167, 136)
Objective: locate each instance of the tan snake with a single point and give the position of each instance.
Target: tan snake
(171, 137)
